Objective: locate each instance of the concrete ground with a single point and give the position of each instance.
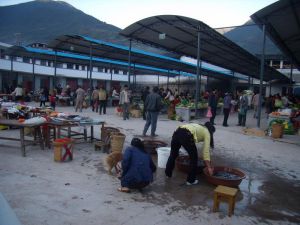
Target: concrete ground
(45, 192)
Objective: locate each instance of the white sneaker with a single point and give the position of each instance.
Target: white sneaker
(195, 182)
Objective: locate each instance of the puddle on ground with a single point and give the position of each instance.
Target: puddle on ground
(261, 194)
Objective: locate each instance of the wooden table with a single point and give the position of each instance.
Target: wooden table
(58, 127)
(22, 126)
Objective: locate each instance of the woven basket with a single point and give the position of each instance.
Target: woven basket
(277, 130)
(135, 113)
(117, 142)
(107, 131)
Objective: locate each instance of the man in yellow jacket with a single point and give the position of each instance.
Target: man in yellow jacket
(187, 136)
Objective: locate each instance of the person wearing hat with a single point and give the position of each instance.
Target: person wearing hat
(137, 167)
(187, 136)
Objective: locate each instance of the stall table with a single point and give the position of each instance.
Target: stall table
(58, 127)
(22, 126)
(278, 117)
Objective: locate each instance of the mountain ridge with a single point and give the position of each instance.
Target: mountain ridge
(43, 20)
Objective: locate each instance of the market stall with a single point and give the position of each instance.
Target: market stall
(186, 112)
(35, 125)
(288, 118)
(59, 122)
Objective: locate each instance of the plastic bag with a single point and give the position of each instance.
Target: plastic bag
(208, 114)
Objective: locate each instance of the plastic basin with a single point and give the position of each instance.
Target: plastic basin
(234, 182)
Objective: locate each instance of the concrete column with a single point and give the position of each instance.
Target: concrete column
(281, 64)
(94, 83)
(37, 84)
(50, 83)
(80, 82)
(19, 79)
(108, 85)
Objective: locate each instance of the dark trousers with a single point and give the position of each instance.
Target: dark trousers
(125, 108)
(18, 98)
(102, 106)
(151, 119)
(182, 137)
(134, 185)
(144, 112)
(226, 115)
(213, 112)
(42, 103)
(53, 105)
(242, 119)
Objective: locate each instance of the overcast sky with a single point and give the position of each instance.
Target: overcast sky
(122, 13)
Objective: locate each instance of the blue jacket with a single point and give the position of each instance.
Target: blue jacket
(227, 102)
(137, 167)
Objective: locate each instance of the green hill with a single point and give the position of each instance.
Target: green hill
(43, 20)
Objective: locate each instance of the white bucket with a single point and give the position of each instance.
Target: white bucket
(163, 154)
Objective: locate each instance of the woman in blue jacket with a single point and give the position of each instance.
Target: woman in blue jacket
(137, 167)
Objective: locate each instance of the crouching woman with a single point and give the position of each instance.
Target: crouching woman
(137, 167)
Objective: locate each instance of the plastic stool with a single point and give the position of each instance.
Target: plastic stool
(60, 145)
(225, 194)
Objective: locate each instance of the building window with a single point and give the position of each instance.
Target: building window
(276, 64)
(59, 65)
(26, 60)
(77, 67)
(43, 62)
(1, 54)
(69, 66)
(286, 65)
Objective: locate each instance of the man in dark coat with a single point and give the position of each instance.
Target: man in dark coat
(212, 103)
(152, 106)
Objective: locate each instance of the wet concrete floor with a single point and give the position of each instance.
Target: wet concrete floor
(261, 194)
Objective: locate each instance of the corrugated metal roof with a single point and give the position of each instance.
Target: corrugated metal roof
(82, 44)
(282, 20)
(181, 34)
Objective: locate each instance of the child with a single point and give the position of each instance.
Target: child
(52, 100)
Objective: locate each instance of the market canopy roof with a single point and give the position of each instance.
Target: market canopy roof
(179, 34)
(68, 57)
(282, 20)
(83, 44)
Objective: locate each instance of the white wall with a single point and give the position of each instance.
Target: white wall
(4, 64)
(22, 67)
